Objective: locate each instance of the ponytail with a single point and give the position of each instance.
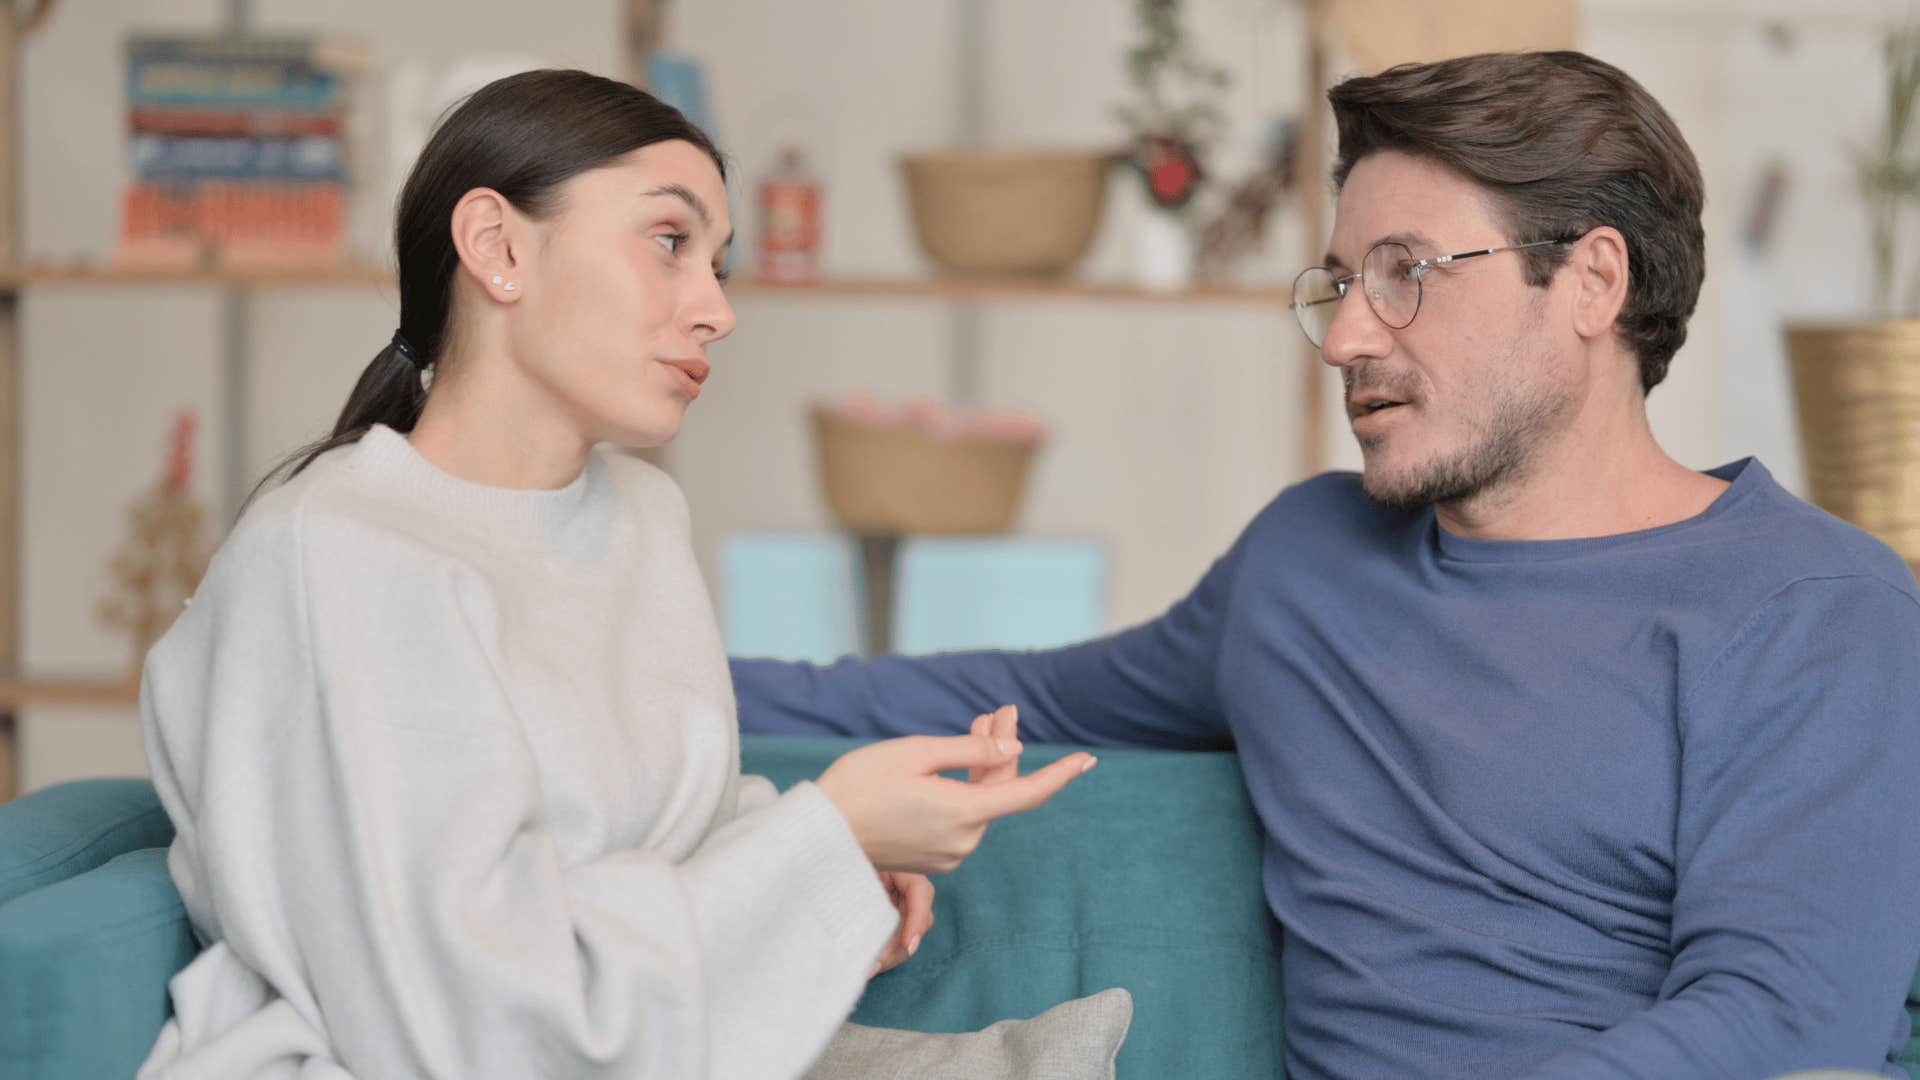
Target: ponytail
(389, 392)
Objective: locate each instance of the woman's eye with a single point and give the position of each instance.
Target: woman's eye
(672, 242)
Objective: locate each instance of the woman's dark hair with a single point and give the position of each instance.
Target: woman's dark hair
(522, 136)
(1563, 144)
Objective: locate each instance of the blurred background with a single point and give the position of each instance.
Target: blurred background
(1014, 359)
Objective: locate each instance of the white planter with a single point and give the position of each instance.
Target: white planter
(1163, 251)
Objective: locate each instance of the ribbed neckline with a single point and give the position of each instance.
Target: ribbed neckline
(1744, 477)
(570, 522)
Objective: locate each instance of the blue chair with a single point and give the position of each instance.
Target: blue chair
(998, 593)
(789, 597)
(798, 597)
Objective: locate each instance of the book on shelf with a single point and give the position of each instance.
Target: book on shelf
(239, 150)
(261, 123)
(233, 224)
(174, 159)
(229, 71)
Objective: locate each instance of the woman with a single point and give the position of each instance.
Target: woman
(447, 733)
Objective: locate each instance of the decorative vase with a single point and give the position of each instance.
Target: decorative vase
(1163, 251)
(1857, 392)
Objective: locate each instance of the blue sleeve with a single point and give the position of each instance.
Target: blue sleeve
(1796, 861)
(1151, 686)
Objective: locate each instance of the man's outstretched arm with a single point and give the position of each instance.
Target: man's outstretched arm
(1153, 685)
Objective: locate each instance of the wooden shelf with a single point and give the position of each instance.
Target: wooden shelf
(1015, 289)
(14, 694)
(18, 277)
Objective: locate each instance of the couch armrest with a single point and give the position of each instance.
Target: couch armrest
(68, 829)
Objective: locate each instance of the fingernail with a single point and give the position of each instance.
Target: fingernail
(913, 946)
(1001, 744)
(1088, 767)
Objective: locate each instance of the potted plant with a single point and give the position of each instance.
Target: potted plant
(1171, 126)
(1857, 384)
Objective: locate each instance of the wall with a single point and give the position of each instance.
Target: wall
(1173, 425)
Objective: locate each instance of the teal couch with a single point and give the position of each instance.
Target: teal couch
(1144, 874)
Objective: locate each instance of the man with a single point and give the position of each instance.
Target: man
(1573, 761)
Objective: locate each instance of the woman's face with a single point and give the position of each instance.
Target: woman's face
(622, 295)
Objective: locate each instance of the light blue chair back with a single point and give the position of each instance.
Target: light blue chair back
(798, 597)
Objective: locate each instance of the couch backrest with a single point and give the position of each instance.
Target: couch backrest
(1144, 874)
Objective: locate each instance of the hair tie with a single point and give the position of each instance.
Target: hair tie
(405, 348)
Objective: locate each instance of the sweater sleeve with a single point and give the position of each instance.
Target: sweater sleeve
(1152, 686)
(1793, 935)
(380, 852)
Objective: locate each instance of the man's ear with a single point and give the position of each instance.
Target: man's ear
(1598, 264)
(487, 233)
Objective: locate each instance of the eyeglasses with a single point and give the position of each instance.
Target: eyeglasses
(1389, 276)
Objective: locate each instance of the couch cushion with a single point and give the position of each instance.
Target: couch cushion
(1076, 1040)
(71, 828)
(1145, 874)
(84, 965)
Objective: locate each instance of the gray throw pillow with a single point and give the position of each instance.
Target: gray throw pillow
(1076, 1040)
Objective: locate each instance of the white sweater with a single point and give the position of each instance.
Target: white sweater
(456, 776)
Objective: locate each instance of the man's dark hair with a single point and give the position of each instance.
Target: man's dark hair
(1563, 144)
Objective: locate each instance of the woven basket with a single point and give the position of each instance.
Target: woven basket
(882, 480)
(986, 212)
(1857, 389)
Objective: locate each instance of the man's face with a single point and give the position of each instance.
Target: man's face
(1460, 400)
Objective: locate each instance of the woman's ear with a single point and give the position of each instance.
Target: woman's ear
(1600, 268)
(487, 232)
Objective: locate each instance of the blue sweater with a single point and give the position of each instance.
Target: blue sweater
(1645, 805)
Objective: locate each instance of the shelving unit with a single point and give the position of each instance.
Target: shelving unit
(16, 278)
(967, 299)
(17, 694)
(240, 283)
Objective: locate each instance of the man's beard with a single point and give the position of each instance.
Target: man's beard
(1498, 452)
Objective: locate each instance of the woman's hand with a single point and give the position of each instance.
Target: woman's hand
(912, 894)
(1002, 726)
(909, 818)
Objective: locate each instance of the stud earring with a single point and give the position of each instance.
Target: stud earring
(510, 286)
(497, 279)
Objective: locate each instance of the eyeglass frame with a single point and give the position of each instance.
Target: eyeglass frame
(1417, 271)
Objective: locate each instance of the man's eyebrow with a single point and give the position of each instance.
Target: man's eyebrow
(1410, 238)
(685, 195)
